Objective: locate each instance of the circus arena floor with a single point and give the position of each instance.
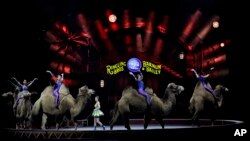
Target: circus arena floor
(173, 128)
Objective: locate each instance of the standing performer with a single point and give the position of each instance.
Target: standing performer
(97, 113)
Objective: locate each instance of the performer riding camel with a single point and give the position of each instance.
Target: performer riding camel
(23, 88)
(139, 79)
(203, 81)
(59, 81)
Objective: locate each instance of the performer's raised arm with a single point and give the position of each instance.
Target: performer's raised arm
(16, 87)
(141, 75)
(52, 75)
(206, 76)
(18, 83)
(31, 82)
(196, 74)
(48, 71)
(131, 73)
(62, 77)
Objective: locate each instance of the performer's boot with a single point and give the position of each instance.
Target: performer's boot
(148, 100)
(94, 127)
(103, 127)
(148, 109)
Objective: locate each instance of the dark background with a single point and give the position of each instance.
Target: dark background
(24, 53)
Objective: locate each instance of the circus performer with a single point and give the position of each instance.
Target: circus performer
(204, 82)
(97, 113)
(139, 79)
(59, 81)
(23, 88)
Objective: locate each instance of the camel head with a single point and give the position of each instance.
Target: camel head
(177, 89)
(222, 88)
(85, 90)
(7, 94)
(219, 89)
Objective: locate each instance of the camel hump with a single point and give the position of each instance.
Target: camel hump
(24, 94)
(129, 90)
(149, 90)
(47, 90)
(64, 90)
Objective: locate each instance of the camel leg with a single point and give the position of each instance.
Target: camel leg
(126, 121)
(147, 119)
(57, 126)
(67, 123)
(67, 117)
(213, 116)
(24, 124)
(75, 123)
(44, 121)
(195, 119)
(198, 107)
(58, 121)
(17, 124)
(159, 119)
(28, 124)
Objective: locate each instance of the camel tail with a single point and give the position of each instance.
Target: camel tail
(115, 114)
(191, 105)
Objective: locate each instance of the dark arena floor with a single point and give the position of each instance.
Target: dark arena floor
(173, 128)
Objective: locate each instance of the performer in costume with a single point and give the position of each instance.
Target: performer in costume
(59, 81)
(23, 88)
(203, 81)
(140, 83)
(97, 113)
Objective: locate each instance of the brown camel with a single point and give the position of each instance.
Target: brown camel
(46, 104)
(202, 98)
(132, 102)
(23, 109)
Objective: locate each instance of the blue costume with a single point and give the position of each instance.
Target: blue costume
(205, 84)
(23, 88)
(56, 92)
(59, 81)
(140, 85)
(142, 92)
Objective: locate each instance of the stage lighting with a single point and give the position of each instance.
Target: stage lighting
(216, 24)
(222, 44)
(101, 83)
(112, 18)
(181, 56)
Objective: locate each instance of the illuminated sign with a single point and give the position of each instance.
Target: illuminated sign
(134, 65)
(151, 68)
(116, 68)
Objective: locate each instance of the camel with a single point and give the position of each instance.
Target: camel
(23, 109)
(202, 98)
(46, 105)
(132, 102)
